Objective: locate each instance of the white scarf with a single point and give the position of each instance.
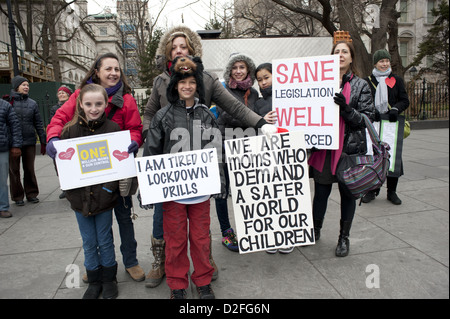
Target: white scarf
(381, 94)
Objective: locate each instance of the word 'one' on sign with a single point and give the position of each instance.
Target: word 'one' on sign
(270, 191)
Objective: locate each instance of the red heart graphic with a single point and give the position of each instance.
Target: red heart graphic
(390, 82)
(120, 155)
(67, 155)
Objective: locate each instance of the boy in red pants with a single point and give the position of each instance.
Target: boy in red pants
(187, 219)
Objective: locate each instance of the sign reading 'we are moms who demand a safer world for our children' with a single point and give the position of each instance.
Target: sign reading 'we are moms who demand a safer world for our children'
(302, 94)
(270, 191)
(94, 159)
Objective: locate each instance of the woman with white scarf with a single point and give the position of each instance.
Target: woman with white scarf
(390, 98)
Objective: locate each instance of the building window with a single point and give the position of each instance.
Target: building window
(403, 11)
(430, 7)
(403, 50)
(103, 31)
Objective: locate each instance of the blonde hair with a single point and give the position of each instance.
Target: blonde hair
(169, 43)
(79, 113)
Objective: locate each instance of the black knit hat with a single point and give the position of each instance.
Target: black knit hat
(182, 68)
(17, 81)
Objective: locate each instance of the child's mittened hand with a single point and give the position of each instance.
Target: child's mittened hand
(51, 150)
(133, 147)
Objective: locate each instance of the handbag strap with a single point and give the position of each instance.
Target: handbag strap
(372, 132)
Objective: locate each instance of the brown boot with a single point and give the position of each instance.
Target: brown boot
(136, 273)
(158, 270)
(211, 260)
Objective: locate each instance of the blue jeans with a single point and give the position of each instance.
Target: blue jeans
(4, 171)
(98, 242)
(128, 243)
(158, 232)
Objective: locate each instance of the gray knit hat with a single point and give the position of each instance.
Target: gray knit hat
(17, 81)
(380, 55)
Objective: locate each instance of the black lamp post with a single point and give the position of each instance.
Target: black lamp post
(424, 114)
(12, 35)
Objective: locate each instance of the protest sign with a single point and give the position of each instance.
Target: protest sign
(177, 176)
(94, 159)
(392, 133)
(270, 191)
(302, 94)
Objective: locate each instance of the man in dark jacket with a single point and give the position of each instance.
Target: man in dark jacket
(10, 142)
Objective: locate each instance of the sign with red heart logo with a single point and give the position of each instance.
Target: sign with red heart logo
(67, 155)
(120, 155)
(390, 82)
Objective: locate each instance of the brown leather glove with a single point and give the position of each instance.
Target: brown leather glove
(15, 151)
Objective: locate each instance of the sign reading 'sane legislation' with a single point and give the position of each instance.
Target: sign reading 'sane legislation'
(270, 191)
(302, 94)
(94, 159)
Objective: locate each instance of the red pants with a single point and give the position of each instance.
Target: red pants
(175, 223)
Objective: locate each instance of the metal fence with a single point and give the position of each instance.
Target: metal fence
(427, 100)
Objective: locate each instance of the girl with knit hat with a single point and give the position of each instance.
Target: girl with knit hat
(390, 97)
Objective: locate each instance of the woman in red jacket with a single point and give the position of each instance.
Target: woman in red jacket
(123, 110)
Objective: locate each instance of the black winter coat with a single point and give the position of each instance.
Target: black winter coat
(226, 120)
(27, 112)
(397, 95)
(264, 104)
(176, 129)
(93, 199)
(361, 102)
(10, 132)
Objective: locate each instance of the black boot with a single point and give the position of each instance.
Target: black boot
(317, 227)
(95, 284)
(343, 246)
(109, 280)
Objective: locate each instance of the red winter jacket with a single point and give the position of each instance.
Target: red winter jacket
(127, 116)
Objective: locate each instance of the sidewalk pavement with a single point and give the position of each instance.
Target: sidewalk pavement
(396, 251)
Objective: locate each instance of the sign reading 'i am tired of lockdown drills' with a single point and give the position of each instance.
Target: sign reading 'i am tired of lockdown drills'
(177, 176)
(94, 159)
(270, 191)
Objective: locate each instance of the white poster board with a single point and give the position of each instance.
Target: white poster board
(176, 176)
(94, 159)
(302, 94)
(270, 191)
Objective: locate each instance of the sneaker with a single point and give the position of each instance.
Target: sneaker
(20, 203)
(287, 250)
(178, 294)
(206, 292)
(392, 196)
(33, 200)
(5, 214)
(229, 240)
(271, 251)
(370, 196)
